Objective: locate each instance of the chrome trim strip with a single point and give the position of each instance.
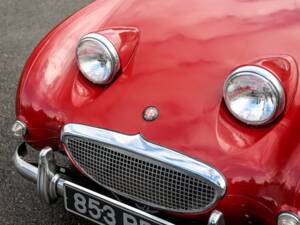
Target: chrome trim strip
(113, 202)
(137, 144)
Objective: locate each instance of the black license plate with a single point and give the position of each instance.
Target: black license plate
(104, 210)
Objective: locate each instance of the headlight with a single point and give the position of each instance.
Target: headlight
(97, 58)
(288, 219)
(254, 95)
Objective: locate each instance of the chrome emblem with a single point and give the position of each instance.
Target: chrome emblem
(150, 113)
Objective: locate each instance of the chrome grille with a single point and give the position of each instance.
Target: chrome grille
(142, 171)
(140, 177)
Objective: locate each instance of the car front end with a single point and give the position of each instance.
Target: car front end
(163, 120)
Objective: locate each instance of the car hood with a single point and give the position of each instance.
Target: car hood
(184, 54)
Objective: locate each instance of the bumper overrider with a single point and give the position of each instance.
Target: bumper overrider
(51, 185)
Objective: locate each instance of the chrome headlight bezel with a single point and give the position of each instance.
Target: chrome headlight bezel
(266, 76)
(108, 48)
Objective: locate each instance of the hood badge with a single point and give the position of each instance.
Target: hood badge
(150, 113)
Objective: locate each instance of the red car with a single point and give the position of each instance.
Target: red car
(169, 112)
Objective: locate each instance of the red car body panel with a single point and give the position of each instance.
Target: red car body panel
(184, 53)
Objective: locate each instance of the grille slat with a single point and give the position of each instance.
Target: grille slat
(141, 178)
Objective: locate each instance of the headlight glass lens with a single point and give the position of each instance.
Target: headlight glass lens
(288, 219)
(254, 95)
(97, 59)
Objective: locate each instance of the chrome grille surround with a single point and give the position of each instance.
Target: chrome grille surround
(142, 171)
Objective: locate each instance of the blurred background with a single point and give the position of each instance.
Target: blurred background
(23, 25)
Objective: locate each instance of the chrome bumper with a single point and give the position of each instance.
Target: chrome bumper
(50, 185)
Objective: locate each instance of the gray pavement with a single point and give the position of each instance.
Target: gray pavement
(22, 24)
